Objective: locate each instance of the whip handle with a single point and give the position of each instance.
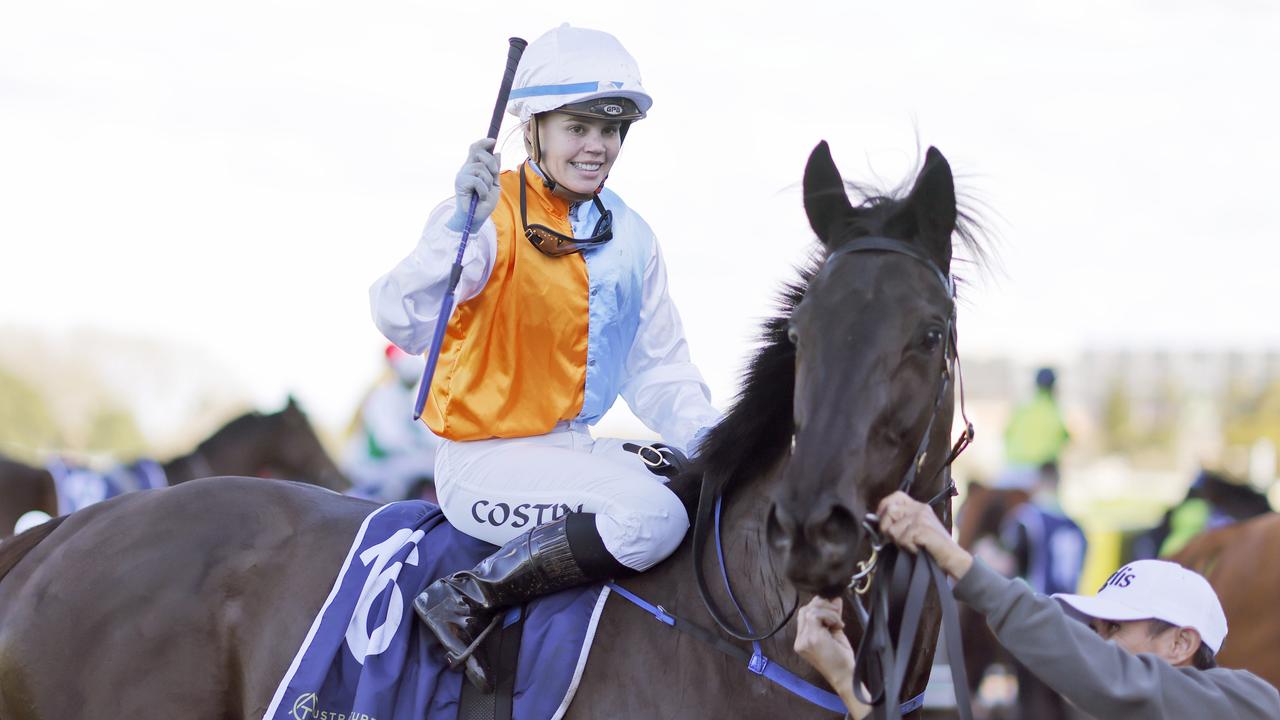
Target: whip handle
(515, 49)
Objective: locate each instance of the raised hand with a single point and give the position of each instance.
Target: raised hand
(478, 175)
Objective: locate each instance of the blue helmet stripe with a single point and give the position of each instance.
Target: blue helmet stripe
(539, 90)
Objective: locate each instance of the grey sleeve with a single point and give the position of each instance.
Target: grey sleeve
(1098, 676)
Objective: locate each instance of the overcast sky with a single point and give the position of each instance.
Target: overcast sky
(232, 175)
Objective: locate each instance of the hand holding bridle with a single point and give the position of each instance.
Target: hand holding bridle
(913, 526)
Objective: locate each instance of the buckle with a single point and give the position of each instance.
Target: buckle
(652, 456)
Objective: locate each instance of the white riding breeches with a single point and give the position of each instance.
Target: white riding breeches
(498, 489)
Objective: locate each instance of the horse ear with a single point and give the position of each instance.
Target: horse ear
(825, 200)
(931, 207)
(292, 404)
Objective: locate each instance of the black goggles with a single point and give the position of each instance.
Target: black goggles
(556, 244)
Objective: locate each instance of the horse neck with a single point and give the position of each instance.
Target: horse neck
(232, 450)
(759, 586)
(759, 582)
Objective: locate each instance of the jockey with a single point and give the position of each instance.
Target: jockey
(391, 457)
(562, 307)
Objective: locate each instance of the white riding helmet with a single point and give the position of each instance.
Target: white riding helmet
(571, 66)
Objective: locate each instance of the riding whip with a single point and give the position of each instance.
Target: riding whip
(514, 52)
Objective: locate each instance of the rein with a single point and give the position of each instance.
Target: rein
(920, 570)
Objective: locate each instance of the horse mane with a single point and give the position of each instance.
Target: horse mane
(755, 433)
(15, 548)
(247, 424)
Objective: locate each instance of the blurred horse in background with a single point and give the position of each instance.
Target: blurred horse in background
(978, 523)
(1242, 562)
(281, 445)
(1214, 500)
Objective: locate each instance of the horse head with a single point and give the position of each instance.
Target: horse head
(293, 451)
(872, 340)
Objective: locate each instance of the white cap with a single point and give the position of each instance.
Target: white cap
(569, 65)
(1157, 590)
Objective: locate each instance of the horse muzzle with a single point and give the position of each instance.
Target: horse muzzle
(819, 551)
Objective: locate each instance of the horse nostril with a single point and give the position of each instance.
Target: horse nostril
(836, 533)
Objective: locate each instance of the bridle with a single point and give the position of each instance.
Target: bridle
(860, 582)
(871, 600)
(890, 670)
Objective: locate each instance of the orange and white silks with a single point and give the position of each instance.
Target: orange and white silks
(513, 362)
(536, 340)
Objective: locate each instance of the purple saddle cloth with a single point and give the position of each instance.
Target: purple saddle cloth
(367, 657)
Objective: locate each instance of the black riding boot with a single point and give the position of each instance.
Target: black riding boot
(559, 555)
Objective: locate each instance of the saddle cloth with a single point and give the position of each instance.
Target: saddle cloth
(79, 487)
(367, 657)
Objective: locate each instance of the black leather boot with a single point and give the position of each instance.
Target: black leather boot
(459, 607)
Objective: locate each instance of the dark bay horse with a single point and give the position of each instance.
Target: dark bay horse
(279, 445)
(1242, 563)
(873, 349)
(1228, 499)
(224, 576)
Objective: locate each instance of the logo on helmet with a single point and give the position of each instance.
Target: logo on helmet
(611, 109)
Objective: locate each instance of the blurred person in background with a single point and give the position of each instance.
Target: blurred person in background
(1047, 550)
(391, 456)
(1214, 500)
(1035, 435)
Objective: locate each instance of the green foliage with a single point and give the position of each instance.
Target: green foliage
(1146, 426)
(26, 424)
(1252, 416)
(1116, 423)
(113, 430)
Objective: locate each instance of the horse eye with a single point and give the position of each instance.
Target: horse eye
(792, 335)
(932, 339)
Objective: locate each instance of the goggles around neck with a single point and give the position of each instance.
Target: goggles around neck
(555, 244)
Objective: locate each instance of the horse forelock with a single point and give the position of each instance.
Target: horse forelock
(875, 206)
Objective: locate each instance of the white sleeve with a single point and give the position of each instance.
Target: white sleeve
(405, 303)
(663, 387)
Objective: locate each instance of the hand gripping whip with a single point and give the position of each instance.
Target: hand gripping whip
(446, 306)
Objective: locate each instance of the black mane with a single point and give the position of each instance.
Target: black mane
(755, 433)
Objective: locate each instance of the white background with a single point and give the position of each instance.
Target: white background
(231, 176)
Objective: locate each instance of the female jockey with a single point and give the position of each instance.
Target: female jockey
(563, 306)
